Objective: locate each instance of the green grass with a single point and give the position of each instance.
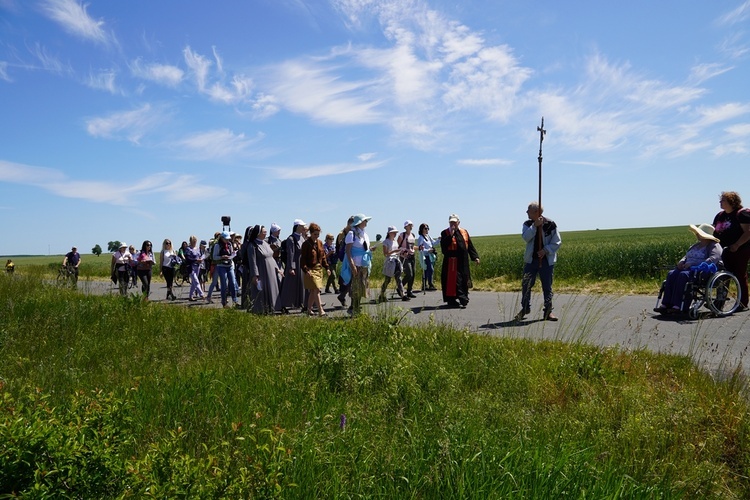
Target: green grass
(125, 398)
(624, 261)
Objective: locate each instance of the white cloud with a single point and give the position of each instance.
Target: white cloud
(736, 148)
(300, 173)
(736, 16)
(129, 125)
(216, 145)
(739, 130)
(49, 62)
(74, 19)
(485, 162)
(308, 88)
(4, 71)
(237, 91)
(163, 74)
(702, 72)
(716, 114)
(103, 80)
(178, 188)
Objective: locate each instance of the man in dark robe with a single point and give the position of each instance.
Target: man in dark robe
(458, 249)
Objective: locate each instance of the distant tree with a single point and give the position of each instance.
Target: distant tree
(112, 246)
(97, 250)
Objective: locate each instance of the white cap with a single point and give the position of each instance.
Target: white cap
(299, 222)
(408, 223)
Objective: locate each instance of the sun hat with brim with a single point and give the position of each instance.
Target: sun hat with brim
(359, 219)
(704, 232)
(453, 218)
(122, 245)
(226, 235)
(391, 229)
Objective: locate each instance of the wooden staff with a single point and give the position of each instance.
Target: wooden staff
(540, 231)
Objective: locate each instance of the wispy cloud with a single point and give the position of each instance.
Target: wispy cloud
(739, 130)
(485, 162)
(4, 71)
(216, 145)
(237, 90)
(103, 80)
(172, 187)
(300, 173)
(74, 19)
(129, 125)
(702, 72)
(162, 74)
(735, 16)
(309, 88)
(49, 62)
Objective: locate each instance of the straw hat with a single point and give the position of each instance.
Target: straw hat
(704, 232)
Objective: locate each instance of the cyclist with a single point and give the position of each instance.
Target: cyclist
(71, 261)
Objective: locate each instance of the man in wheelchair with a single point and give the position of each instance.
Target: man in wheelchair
(697, 280)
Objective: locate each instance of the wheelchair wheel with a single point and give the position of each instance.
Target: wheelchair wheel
(723, 293)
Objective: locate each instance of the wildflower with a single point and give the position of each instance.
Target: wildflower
(342, 422)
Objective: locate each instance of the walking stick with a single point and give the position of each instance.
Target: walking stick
(540, 231)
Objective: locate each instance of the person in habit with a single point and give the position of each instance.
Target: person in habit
(262, 272)
(274, 240)
(458, 250)
(707, 249)
(732, 227)
(292, 295)
(539, 259)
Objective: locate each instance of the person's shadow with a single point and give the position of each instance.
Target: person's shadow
(512, 322)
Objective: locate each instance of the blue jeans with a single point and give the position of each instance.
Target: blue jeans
(225, 272)
(530, 272)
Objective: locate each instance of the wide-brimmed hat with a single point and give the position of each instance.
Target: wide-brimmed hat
(408, 223)
(122, 245)
(391, 229)
(359, 219)
(454, 218)
(704, 232)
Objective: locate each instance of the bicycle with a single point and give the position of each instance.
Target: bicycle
(66, 275)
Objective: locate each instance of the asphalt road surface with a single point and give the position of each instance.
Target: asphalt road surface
(719, 345)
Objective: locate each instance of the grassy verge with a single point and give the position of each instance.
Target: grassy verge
(120, 398)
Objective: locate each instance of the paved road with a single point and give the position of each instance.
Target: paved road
(719, 345)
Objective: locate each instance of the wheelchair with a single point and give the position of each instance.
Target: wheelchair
(716, 289)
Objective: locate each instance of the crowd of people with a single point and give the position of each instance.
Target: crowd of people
(263, 273)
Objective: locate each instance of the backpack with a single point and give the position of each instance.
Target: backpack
(341, 247)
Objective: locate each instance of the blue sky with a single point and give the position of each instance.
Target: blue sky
(144, 120)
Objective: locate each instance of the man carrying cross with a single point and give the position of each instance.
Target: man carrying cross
(540, 258)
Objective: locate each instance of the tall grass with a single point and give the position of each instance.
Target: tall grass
(135, 398)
